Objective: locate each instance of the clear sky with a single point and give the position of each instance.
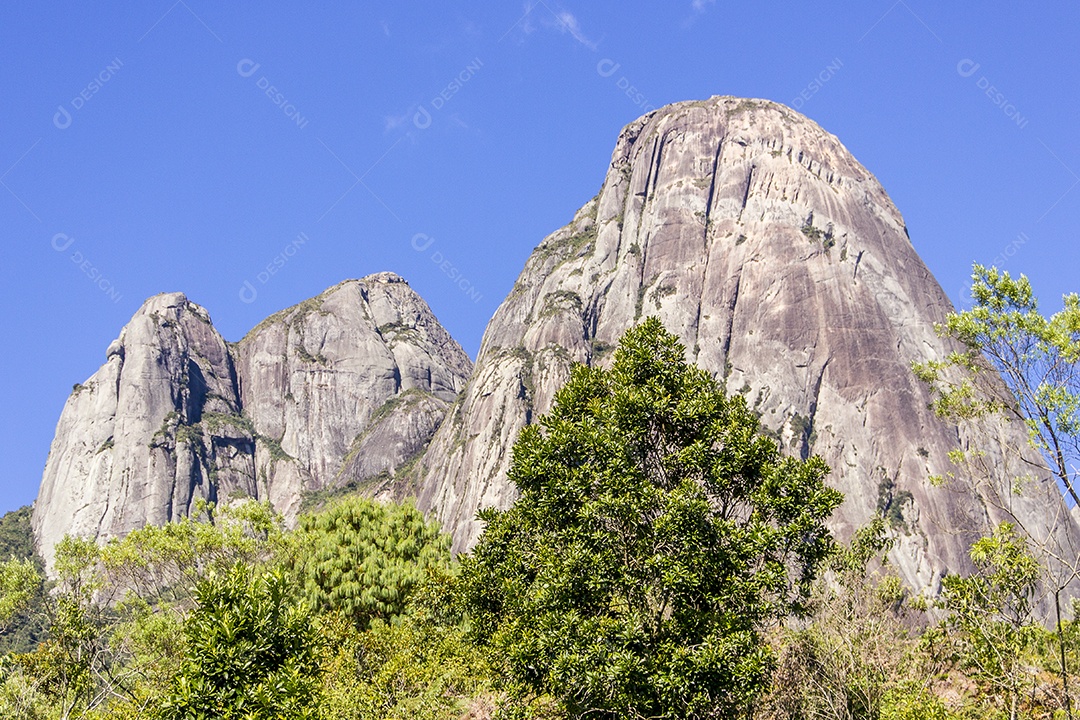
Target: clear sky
(167, 145)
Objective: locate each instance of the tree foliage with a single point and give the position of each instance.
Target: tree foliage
(991, 613)
(20, 629)
(16, 536)
(1005, 336)
(112, 616)
(19, 585)
(1018, 365)
(846, 663)
(421, 666)
(251, 652)
(363, 558)
(655, 534)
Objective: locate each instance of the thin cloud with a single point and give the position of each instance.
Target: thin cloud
(392, 122)
(701, 5)
(570, 24)
(540, 14)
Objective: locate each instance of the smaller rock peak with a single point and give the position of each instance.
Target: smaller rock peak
(161, 302)
(171, 304)
(385, 277)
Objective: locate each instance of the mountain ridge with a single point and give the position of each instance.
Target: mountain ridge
(177, 414)
(787, 272)
(751, 232)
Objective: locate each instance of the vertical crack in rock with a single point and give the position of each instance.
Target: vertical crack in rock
(746, 192)
(812, 410)
(712, 188)
(729, 334)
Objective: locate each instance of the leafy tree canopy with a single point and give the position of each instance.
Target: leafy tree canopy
(252, 652)
(991, 612)
(655, 534)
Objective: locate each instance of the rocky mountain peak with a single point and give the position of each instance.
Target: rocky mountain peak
(315, 375)
(747, 229)
(787, 272)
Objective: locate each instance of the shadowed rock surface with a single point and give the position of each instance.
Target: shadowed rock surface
(177, 414)
(787, 272)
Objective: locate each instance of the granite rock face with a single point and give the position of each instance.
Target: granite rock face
(343, 389)
(148, 434)
(753, 235)
(346, 386)
(786, 271)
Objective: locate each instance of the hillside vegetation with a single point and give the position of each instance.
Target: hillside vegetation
(664, 560)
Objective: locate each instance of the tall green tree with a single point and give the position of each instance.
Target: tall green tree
(656, 533)
(112, 617)
(20, 582)
(21, 628)
(1005, 337)
(990, 612)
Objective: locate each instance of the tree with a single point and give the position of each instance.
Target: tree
(20, 582)
(22, 629)
(856, 658)
(363, 558)
(112, 618)
(991, 610)
(1005, 337)
(655, 534)
(1017, 365)
(421, 666)
(252, 652)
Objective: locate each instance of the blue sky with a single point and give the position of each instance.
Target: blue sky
(188, 145)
